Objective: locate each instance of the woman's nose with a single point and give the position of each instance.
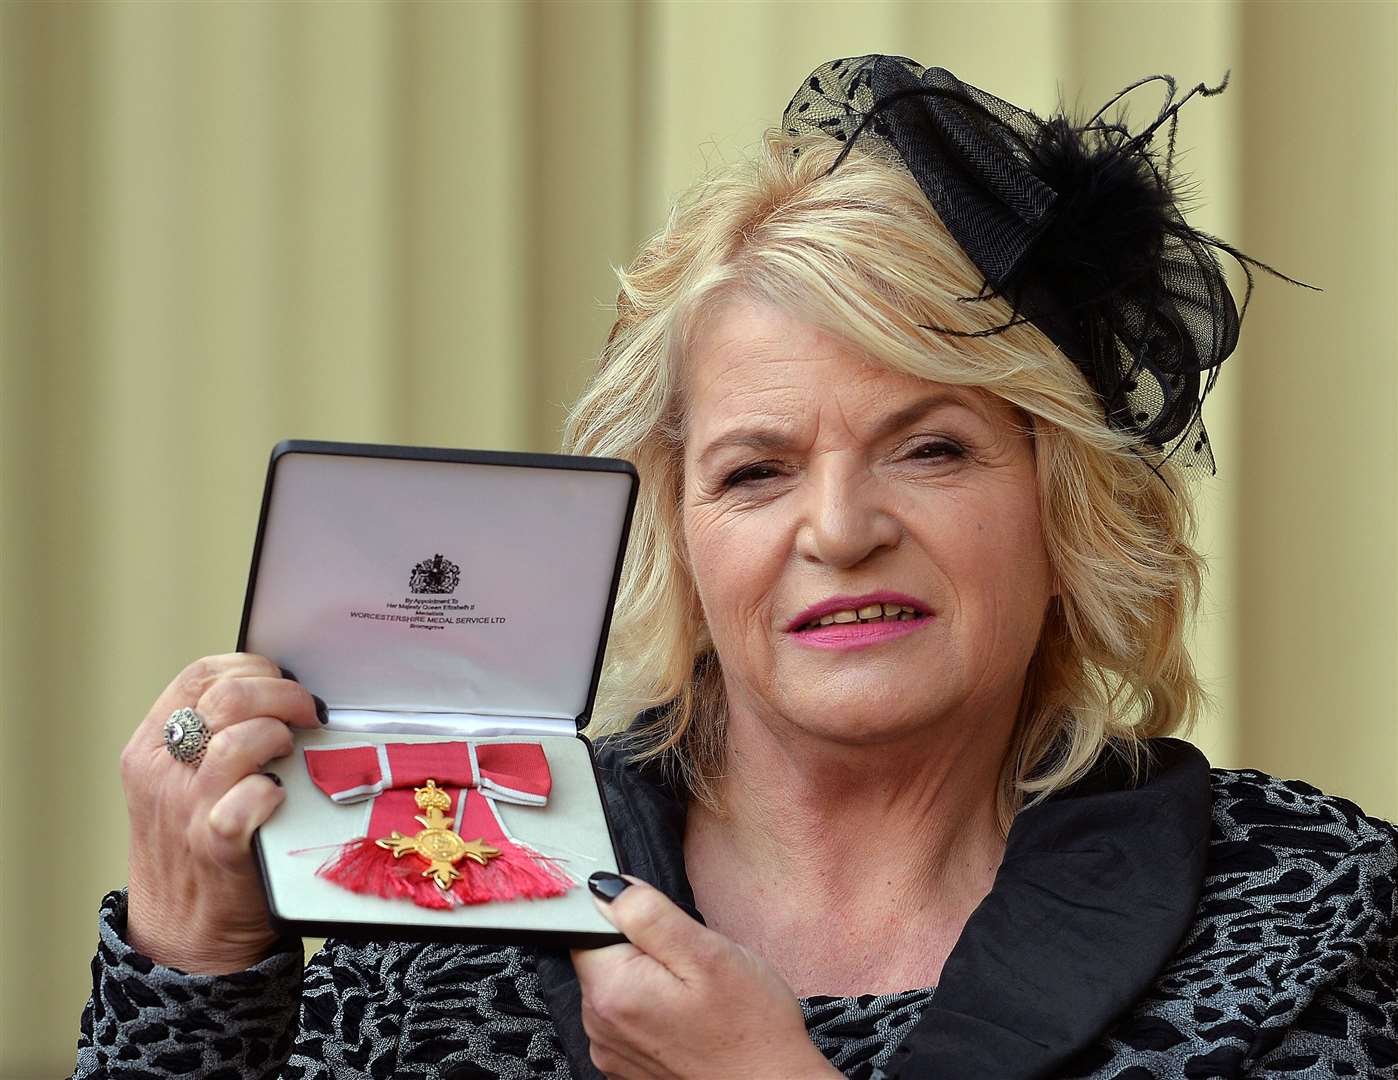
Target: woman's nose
(844, 519)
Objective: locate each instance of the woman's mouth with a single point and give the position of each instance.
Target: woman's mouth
(871, 613)
(865, 621)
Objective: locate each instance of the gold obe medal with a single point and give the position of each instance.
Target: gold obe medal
(437, 844)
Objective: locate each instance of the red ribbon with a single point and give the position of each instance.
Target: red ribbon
(475, 776)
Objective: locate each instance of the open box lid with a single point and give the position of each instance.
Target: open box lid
(420, 582)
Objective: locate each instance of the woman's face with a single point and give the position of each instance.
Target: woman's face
(818, 485)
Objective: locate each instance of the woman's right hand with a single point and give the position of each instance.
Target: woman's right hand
(195, 900)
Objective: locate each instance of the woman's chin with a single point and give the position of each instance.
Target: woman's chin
(875, 717)
(895, 677)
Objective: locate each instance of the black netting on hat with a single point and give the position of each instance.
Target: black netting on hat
(1075, 224)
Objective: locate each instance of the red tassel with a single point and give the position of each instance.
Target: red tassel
(515, 872)
(362, 866)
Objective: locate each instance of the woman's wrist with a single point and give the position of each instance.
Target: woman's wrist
(142, 1010)
(190, 943)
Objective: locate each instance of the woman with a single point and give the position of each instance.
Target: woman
(905, 618)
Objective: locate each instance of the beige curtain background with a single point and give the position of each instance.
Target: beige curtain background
(225, 224)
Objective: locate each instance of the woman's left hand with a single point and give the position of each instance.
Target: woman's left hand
(682, 1002)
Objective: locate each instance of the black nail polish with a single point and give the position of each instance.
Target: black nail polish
(274, 778)
(606, 885)
(288, 675)
(321, 714)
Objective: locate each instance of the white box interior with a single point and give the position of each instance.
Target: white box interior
(519, 634)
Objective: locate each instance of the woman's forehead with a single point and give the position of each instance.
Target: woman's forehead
(753, 357)
(739, 331)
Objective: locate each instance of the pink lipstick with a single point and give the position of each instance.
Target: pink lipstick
(854, 622)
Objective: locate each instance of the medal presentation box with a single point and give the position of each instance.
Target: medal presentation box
(451, 608)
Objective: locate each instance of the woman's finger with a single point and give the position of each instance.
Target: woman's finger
(189, 685)
(592, 962)
(234, 817)
(663, 930)
(237, 751)
(610, 1053)
(229, 701)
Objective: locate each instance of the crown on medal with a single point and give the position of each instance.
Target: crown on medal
(431, 797)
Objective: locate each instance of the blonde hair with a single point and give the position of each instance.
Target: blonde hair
(860, 254)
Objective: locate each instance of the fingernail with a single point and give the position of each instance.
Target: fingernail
(321, 714)
(274, 778)
(606, 885)
(288, 675)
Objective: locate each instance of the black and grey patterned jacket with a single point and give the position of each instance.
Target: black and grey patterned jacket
(1207, 924)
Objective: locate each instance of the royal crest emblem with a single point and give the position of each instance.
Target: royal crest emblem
(435, 575)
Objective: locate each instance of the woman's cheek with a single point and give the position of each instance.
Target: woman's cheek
(735, 562)
(707, 530)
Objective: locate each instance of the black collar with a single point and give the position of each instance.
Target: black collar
(1097, 888)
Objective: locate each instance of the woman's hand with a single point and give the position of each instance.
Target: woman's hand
(194, 898)
(682, 1002)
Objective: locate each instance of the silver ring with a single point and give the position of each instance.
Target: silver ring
(186, 736)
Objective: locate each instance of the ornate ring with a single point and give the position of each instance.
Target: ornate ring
(186, 736)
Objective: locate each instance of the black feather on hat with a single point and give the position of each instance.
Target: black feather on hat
(1076, 224)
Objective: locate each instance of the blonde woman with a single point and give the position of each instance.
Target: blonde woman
(904, 625)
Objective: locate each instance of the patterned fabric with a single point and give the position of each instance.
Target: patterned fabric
(347, 1030)
(857, 1034)
(1290, 970)
(148, 1020)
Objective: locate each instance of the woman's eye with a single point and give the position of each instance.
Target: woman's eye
(749, 474)
(938, 448)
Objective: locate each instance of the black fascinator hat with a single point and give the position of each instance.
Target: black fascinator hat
(1075, 223)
